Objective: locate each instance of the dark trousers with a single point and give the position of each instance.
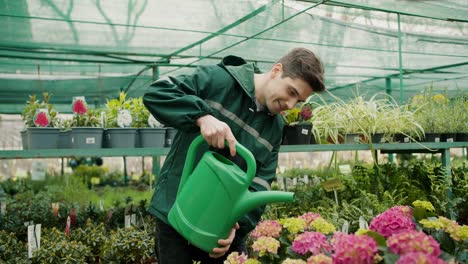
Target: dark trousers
(172, 248)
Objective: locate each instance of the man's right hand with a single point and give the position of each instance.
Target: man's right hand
(216, 132)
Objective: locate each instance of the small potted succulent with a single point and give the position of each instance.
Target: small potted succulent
(86, 125)
(298, 127)
(40, 120)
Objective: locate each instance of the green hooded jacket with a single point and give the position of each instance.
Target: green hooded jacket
(225, 91)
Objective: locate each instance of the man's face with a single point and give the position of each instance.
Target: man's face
(283, 93)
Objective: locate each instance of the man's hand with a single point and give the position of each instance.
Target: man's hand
(224, 243)
(216, 133)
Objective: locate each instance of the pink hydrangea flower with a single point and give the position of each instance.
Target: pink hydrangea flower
(394, 220)
(79, 107)
(349, 249)
(41, 119)
(269, 228)
(405, 210)
(313, 242)
(413, 241)
(419, 258)
(310, 217)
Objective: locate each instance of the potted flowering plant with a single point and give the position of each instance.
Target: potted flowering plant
(86, 131)
(298, 128)
(400, 235)
(151, 133)
(120, 130)
(40, 120)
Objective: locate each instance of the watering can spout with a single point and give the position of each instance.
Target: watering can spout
(256, 199)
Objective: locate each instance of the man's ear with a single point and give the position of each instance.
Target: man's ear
(276, 70)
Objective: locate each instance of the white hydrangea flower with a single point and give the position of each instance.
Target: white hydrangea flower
(124, 118)
(152, 122)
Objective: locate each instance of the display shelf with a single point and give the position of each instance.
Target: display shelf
(432, 147)
(65, 153)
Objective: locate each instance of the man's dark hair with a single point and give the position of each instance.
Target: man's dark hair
(303, 64)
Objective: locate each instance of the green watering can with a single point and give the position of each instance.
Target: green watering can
(213, 196)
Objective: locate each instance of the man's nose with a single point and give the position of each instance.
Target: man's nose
(291, 104)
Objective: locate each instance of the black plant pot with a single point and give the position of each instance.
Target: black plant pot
(432, 137)
(462, 137)
(447, 137)
(297, 135)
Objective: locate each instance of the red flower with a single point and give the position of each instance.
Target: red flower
(73, 216)
(41, 119)
(79, 107)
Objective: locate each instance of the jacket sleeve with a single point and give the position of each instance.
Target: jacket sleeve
(178, 101)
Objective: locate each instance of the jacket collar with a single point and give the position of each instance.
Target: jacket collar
(242, 71)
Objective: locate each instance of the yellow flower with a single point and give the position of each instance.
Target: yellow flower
(293, 261)
(322, 226)
(417, 99)
(460, 233)
(252, 261)
(319, 259)
(360, 231)
(264, 245)
(435, 224)
(439, 98)
(293, 224)
(424, 204)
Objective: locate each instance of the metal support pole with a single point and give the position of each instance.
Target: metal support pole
(125, 170)
(448, 174)
(400, 60)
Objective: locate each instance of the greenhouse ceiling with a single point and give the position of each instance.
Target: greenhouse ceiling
(98, 48)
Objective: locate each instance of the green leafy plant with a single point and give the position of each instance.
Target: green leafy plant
(12, 250)
(437, 113)
(57, 248)
(128, 245)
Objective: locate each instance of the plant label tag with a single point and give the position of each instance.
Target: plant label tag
(449, 139)
(332, 185)
(103, 119)
(406, 139)
(305, 131)
(345, 227)
(128, 221)
(90, 140)
(38, 170)
(101, 205)
(133, 219)
(81, 98)
(345, 169)
(2, 208)
(363, 223)
(34, 239)
(55, 209)
(437, 139)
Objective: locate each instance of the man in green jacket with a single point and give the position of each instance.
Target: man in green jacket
(234, 102)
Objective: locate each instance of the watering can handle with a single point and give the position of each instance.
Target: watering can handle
(191, 154)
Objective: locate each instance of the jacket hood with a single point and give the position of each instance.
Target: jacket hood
(242, 71)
